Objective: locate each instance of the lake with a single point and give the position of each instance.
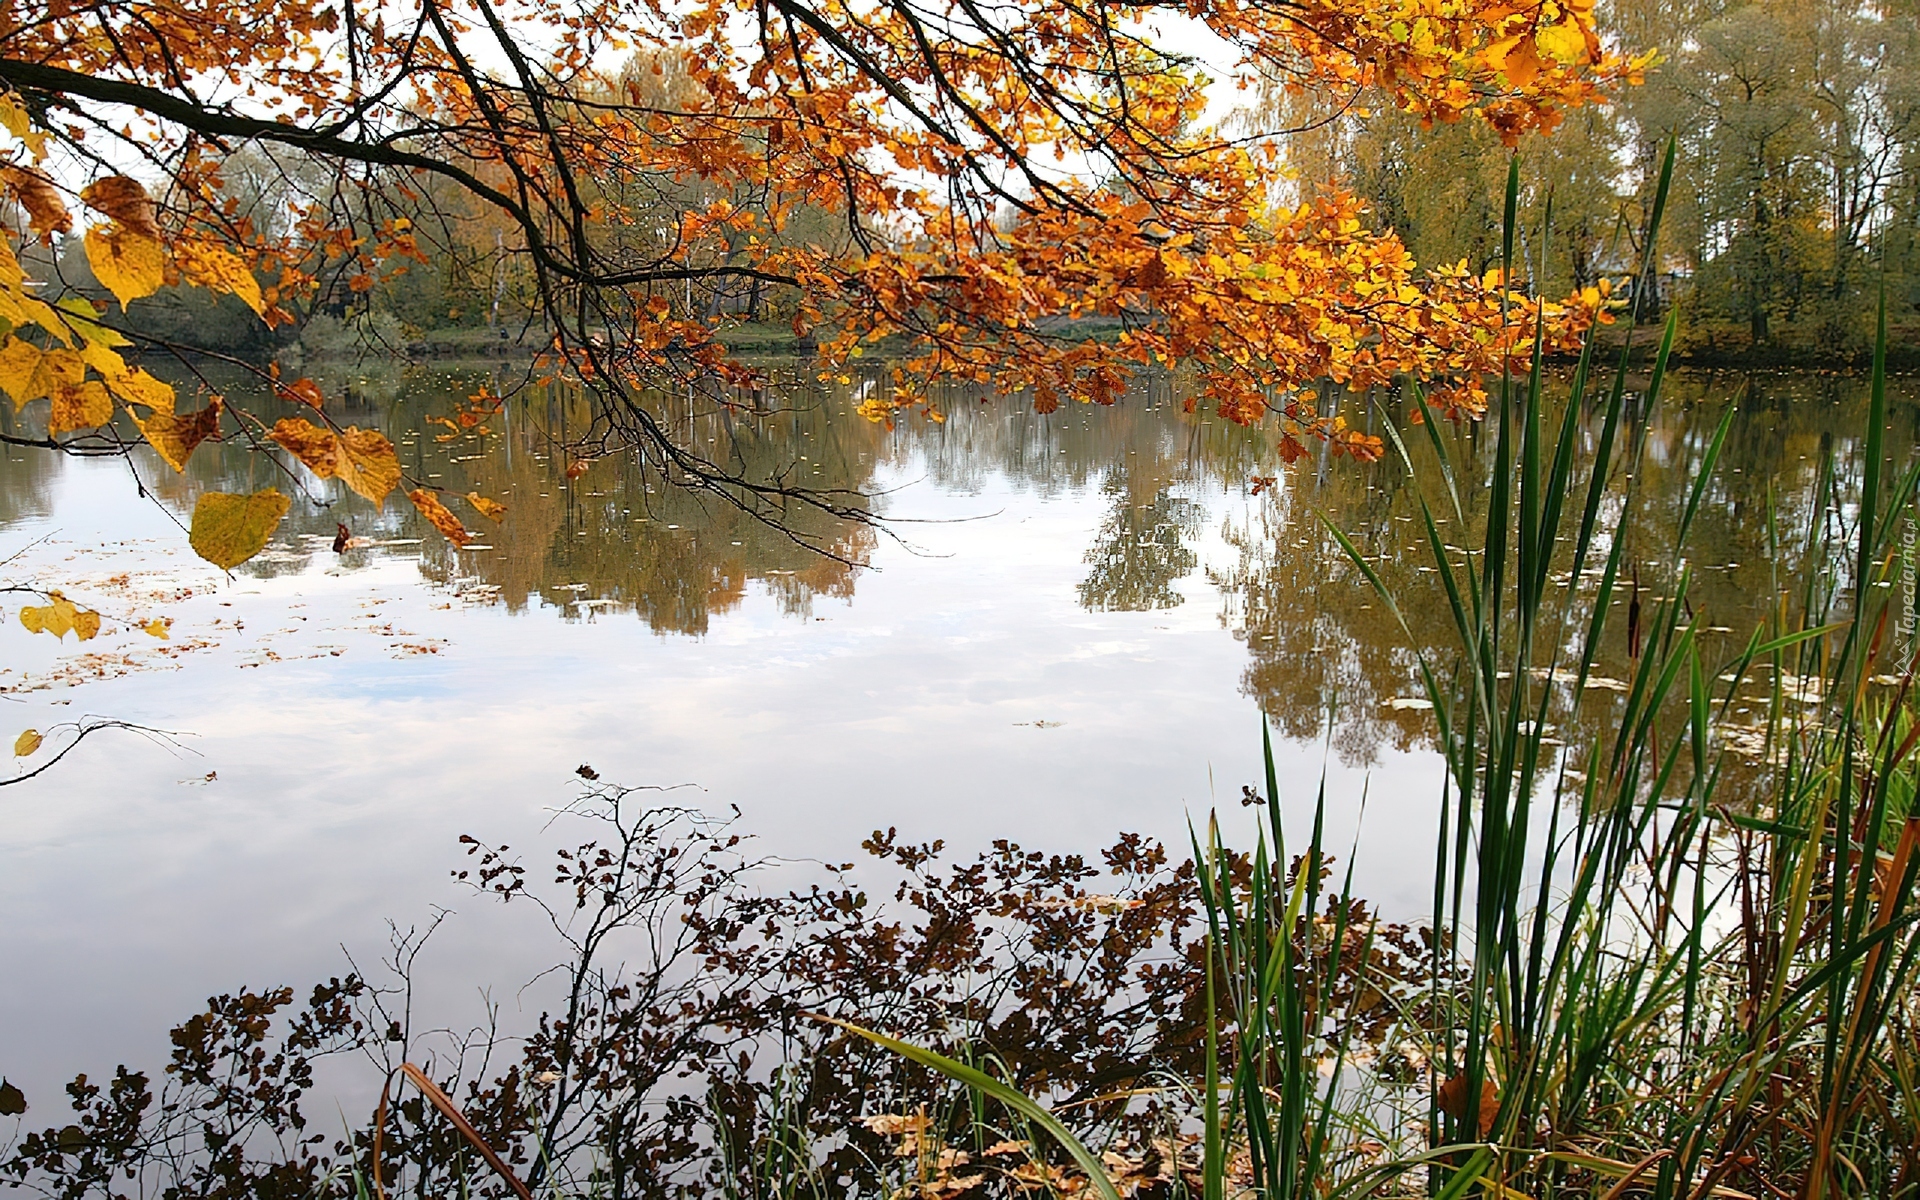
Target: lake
(1066, 627)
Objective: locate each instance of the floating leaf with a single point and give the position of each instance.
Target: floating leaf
(492, 510)
(126, 201)
(174, 438)
(80, 406)
(159, 627)
(127, 263)
(436, 512)
(46, 212)
(24, 745)
(229, 529)
(13, 1101)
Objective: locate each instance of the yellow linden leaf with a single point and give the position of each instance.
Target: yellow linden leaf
(174, 438)
(229, 529)
(368, 463)
(438, 514)
(27, 372)
(79, 406)
(1566, 42)
(492, 510)
(220, 270)
(22, 373)
(26, 743)
(59, 618)
(125, 262)
(158, 627)
(138, 387)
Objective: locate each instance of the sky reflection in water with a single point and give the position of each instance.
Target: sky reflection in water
(1066, 640)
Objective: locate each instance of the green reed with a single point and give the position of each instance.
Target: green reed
(1639, 987)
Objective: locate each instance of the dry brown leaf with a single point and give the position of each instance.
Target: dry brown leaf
(441, 519)
(174, 438)
(313, 445)
(126, 201)
(46, 212)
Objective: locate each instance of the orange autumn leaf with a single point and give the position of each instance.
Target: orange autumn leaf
(126, 201)
(79, 406)
(438, 515)
(303, 391)
(313, 445)
(492, 510)
(173, 438)
(46, 211)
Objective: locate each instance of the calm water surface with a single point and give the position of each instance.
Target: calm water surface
(1068, 631)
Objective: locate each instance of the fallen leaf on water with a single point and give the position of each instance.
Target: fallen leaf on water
(24, 745)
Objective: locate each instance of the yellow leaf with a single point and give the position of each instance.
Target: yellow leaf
(219, 270)
(79, 406)
(127, 263)
(138, 387)
(16, 122)
(158, 627)
(26, 743)
(174, 438)
(367, 463)
(1566, 42)
(437, 513)
(28, 372)
(229, 529)
(59, 618)
(492, 510)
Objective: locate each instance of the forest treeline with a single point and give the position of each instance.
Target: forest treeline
(1797, 181)
(1797, 124)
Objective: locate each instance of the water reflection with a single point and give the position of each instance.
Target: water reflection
(617, 541)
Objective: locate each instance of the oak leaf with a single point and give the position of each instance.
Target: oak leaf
(28, 741)
(492, 510)
(46, 212)
(79, 406)
(438, 514)
(174, 438)
(126, 201)
(126, 262)
(229, 529)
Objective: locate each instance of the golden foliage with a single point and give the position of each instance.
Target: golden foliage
(229, 529)
(439, 516)
(59, 617)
